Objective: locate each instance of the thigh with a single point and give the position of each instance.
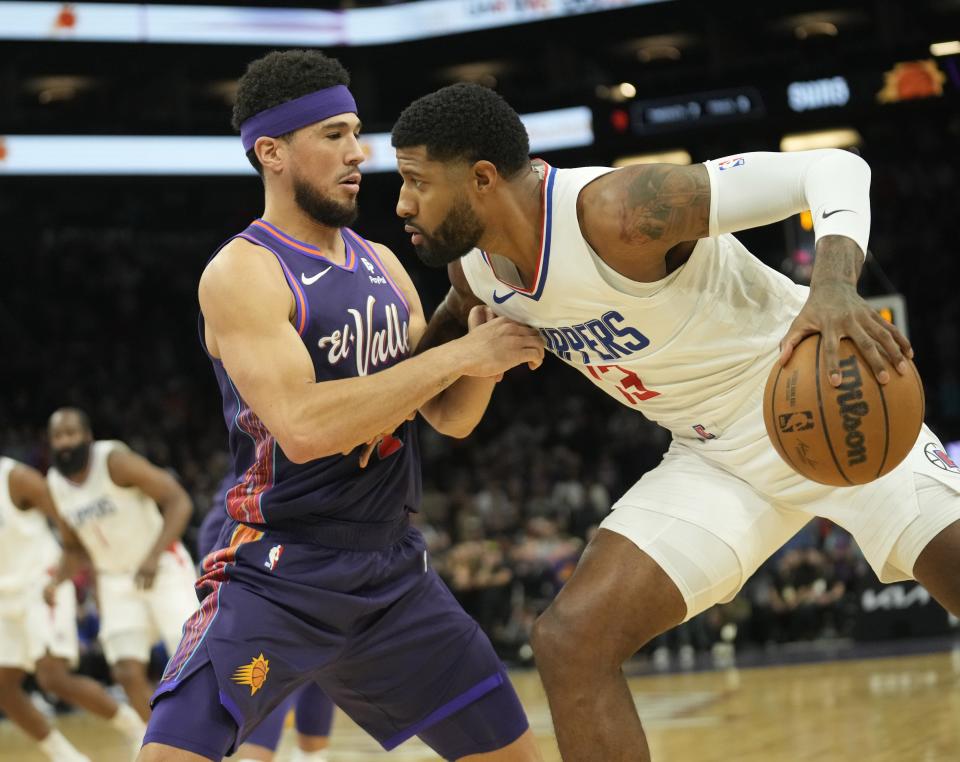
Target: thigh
(193, 719)
(492, 722)
(415, 666)
(705, 528)
(19, 648)
(896, 516)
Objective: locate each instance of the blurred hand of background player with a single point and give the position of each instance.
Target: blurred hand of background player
(835, 309)
(496, 344)
(147, 572)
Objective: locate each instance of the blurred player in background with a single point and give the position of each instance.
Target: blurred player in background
(129, 515)
(37, 637)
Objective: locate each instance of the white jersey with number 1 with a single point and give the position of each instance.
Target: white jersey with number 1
(117, 525)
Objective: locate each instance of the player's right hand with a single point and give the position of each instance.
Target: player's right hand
(496, 345)
(50, 593)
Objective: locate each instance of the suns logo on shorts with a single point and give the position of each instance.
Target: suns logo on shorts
(253, 674)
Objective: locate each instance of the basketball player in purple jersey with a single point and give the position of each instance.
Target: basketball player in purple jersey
(313, 709)
(320, 577)
(634, 279)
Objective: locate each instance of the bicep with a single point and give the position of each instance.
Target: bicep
(129, 469)
(246, 306)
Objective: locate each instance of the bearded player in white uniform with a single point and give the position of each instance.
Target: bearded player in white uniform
(129, 516)
(633, 278)
(37, 637)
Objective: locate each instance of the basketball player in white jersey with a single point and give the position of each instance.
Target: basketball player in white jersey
(36, 637)
(129, 515)
(633, 278)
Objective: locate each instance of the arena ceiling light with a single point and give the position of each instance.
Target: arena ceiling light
(200, 155)
(950, 48)
(805, 141)
(244, 25)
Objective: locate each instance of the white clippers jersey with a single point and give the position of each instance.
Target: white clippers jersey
(27, 546)
(687, 351)
(117, 525)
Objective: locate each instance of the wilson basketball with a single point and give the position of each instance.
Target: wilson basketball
(851, 434)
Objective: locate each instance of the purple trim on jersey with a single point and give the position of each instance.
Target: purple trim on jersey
(300, 300)
(183, 656)
(451, 707)
(367, 246)
(307, 248)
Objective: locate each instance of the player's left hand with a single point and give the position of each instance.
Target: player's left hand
(147, 572)
(835, 310)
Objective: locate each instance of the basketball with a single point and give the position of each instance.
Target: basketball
(845, 435)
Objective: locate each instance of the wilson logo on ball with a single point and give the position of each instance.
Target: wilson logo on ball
(852, 409)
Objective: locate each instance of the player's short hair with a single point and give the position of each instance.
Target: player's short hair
(81, 416)
(279, 77)
(468, 122)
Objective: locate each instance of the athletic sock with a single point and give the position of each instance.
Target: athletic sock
(59, 749)
(299, 755)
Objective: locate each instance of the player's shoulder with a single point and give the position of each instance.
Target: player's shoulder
(239, 269)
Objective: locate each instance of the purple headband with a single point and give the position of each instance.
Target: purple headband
(292, 115)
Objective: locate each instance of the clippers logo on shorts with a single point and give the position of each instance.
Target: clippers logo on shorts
(273, 557)
(253, 674)
(852, 409)
(598, 341)
(801, 421)
(936, 455)
(370, 348)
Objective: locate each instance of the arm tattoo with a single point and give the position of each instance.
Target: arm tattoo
(838, 258)
(665, 203)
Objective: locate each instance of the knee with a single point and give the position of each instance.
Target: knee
(52, 676)
(10, 681)
(128, 672)
(569, 638)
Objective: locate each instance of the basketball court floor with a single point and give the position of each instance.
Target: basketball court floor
(901, 709)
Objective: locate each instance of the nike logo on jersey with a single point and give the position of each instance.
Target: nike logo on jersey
(826, 214)
(501, 299)
(313, 278)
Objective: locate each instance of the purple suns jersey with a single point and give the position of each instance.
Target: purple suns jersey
(353, 320)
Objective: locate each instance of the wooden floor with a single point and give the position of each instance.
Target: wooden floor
(904, 709)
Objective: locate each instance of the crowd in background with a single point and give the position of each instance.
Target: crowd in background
(103, 315)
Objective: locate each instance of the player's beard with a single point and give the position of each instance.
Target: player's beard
(71, 460)
(455, 236)
(321, 207)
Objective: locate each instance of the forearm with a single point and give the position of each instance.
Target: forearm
(457, 410)
(756, 189)
(336, 416)
(176, 515)
(72, 561)
(838, 261)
